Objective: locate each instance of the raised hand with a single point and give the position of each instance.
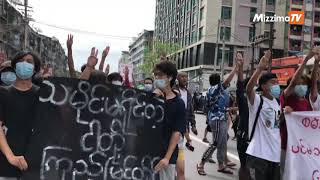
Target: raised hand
(105, 52)
(317, 58)
(93, 58)
(126, 71)
(264, 61)
(70, 41)
(239, 59)
(312, 52)
(107, 69)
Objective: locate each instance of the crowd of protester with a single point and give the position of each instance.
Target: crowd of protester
(256, 112)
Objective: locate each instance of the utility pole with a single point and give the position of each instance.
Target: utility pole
(217, 47)
(26, 22)
(253, 48)
(271, 38)
(223, 50)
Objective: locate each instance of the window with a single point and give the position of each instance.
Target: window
(306, 44)
(201, 13)
(227, 33)
(226, 12)
(194, 19)
(308, 14)
(269, 14)
(228, 57)
(253, 12)
(307, 29)
(254, 1)
(194, 3)
(200, 33)
(270, 2)
(193, 36)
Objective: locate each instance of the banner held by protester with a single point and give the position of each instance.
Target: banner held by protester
(303, 149)
(94, 131)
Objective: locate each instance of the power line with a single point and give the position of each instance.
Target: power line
(83, 31)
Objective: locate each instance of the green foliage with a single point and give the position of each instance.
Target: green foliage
(154, 54)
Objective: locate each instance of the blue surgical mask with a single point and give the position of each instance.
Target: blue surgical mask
(148, 87)
(301, 90)
(24, 70)
(8, 78)
(275, 91)
(160, 83)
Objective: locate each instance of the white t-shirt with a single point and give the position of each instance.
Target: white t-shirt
(184, 96)
(316, 104)
(265, 143)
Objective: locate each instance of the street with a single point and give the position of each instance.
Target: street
(192, 158)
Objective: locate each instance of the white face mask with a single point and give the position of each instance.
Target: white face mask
(118, 83)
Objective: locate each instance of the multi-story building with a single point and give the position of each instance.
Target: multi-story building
(137, 50)
(12, 40)
(194, 25)
(303, 37)
(125, 57)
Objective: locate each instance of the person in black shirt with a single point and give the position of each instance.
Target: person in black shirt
(17, 115)
(242, 131)
(174, 121)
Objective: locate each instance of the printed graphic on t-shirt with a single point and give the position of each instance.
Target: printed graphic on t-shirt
(273, 118)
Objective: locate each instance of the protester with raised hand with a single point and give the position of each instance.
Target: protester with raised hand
(264, 134)
(218, 101)
(91, 63)
(314, 95)
(17, 115)
(72, 71)
(242, 132)
(294, 98)
(105, 53)
(107, 70)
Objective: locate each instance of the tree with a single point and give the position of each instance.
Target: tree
(156, 52)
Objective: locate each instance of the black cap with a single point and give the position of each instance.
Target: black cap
(264, 79)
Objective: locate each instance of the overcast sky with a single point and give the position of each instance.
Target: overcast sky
(124, 18)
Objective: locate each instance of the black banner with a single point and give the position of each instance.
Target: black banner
(94, 131)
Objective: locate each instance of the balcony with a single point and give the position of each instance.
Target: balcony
(295, 33)
(226, 22)
(294, 48)
(317, 4)
(270, 8)
(316, 36)
(227, 3)
(316, 20)
(295, 45)
(297, 4)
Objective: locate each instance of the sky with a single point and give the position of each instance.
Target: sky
(116, 22)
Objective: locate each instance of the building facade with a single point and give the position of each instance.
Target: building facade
(198, 26)
(12, 26)
(303, 37)
(137, 51)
